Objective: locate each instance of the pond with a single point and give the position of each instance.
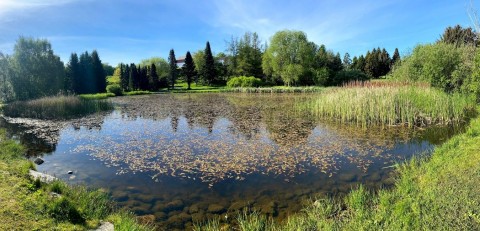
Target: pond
(186, 158)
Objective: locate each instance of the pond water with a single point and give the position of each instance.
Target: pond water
(185, 158)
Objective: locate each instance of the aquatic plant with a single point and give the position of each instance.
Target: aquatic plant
(57, 107)
(393, 105)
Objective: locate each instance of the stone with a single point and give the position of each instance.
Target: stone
(105, 226)
(174, 205)
(38, 161)
(146, 219)
(239, 205)
(70, 172)
(160, 216)
(216, 208)
(198, 217)
(42, 176)
(346, 177)
(269, 208)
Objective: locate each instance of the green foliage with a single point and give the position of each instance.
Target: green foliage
(172, 61)
(243, 81)
(35, 71)
(209, 73)
(471, 83)
(189, 69)
(6, 90)
(289, 56)
(62, 209)
(346, 76)
(97, 96)
(115, 89)
(137, 93)
(245, 55)
(459, 36)
(444, 66)
(55, 107)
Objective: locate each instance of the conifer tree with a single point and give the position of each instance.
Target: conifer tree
(172, 61)
(131, 77)
(209, 68)
(189, 69)
(98, 74)
(153, 77)
(72, 74)
(395, 57)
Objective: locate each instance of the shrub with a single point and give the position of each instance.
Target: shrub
(63, 210)
(115, 89)
(345, 76)
(243, 81)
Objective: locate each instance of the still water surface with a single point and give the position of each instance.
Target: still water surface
(187, 158)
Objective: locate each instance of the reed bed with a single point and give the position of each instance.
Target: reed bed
(56, 107)
(275, 90)
(393, 105)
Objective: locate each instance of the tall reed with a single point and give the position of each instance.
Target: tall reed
(55, 107)
(393, 105)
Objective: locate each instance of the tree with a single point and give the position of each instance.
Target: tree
(72, 73)
(459, 36)
(347, 62)
(98, 73)
(153, 77)
(35, 70)
(246, 55)
(109, 70)
(161, 65)
(132, 77)
(289, 56)
(395, 57)
(124, 76)
(172, 61)
(189, 69)
(199, 61)
(209, 72)
(6, 91)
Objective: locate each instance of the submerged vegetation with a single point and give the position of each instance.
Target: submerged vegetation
(58, 107)
(32, 205)
(436, 193)
(393, 104)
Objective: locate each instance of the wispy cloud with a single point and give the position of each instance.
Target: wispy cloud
(325, 22)
(7, 6)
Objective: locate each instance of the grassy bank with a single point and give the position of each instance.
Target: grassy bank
(26, 204)
(97, 96)
(393, 105)
(55, 107)
(436, 193)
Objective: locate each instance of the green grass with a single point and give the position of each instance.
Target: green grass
(97, 96)
(440, 192)
(26, 204)
(55, 107)
(393, 105)
(137, 93)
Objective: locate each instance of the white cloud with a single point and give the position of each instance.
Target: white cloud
(7, 6)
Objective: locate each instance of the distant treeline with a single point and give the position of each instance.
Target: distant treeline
(289, 58)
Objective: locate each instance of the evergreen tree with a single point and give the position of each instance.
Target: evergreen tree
(189, 69)
(132, 76)
(72, 74)
(124, 76)
(172, 61)
(87, 82)
(209, 74)
(153, 77)
(347, 62)
(99, 73)
(395, 57)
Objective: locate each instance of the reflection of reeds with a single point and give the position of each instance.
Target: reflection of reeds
(55, 107)
(391, 105)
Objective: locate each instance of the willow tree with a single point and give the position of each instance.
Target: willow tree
(289, 56)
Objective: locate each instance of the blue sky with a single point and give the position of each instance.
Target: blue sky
(132, 30)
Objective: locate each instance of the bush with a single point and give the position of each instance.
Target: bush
(63, 210)
(346, 76)
(243, 81)
(115, 89)
(444, 66)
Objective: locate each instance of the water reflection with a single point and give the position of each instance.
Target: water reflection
(186, 158)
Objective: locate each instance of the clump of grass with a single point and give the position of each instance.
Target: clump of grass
(56, 107)
(137, 93)
(97, 95)
(393, 105)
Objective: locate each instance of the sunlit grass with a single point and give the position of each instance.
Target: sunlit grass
(97, 95)
(393, 105)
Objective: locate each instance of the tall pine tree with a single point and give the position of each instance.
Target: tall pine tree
(99, 73)
(395, 57)
(189, 69)
(72, 74)
(209, 68)
(172, 61)
(153, 77)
